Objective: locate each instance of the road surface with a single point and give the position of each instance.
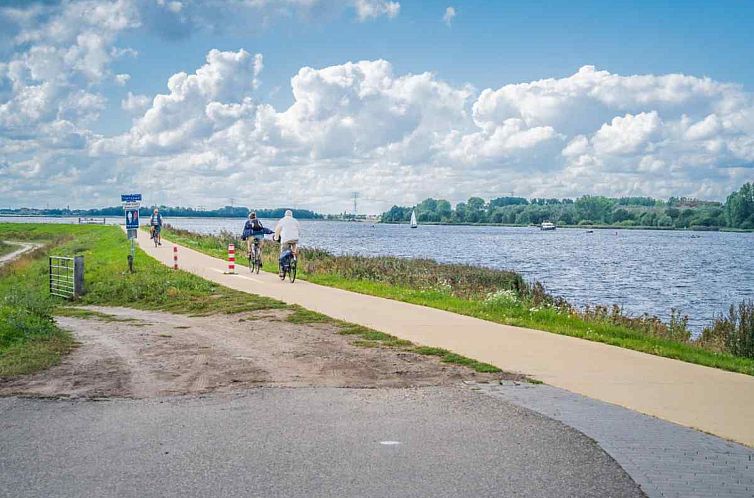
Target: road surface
(299, 442)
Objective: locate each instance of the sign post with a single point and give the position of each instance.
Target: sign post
(131, 204)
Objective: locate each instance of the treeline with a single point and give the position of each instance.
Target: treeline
(167, 211)
(736, 212)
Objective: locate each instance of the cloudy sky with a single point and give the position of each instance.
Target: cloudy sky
(302, 102)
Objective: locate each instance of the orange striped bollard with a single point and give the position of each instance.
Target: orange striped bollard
(175, 257)
(231, 258)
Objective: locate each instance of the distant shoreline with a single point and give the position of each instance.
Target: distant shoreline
(440, 223)
(583, 227)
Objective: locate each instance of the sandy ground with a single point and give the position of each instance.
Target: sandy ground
(145, 354)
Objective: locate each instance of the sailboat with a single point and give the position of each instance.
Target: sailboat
(413, 219)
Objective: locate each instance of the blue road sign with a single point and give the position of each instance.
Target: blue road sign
(132, 218)
(130, 197)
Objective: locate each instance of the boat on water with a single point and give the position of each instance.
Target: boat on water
(547, 225)
(413, 219)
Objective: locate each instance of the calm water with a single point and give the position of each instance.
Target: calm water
(699, 273)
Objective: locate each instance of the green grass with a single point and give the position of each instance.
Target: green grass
(92, 314)
(430, 284)
(6, 248)
(303, 316)
(456, 359)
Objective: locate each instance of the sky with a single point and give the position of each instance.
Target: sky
(301, 103)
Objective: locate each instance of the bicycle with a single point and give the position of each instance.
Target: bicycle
(155, 235)
(288, 269)
(255, 257)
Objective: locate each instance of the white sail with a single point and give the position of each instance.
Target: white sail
(413, 219)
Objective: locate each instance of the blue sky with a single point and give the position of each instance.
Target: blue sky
(486, 45)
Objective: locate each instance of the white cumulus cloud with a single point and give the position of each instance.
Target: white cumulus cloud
(135, 103)
(450, 13)
(367, 9)
(395, 137)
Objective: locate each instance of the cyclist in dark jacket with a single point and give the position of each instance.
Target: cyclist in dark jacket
(155, 222)
(253, 229)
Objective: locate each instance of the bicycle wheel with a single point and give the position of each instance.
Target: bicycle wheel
(292, 271)
(253, 259)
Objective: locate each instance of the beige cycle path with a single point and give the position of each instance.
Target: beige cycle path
(715, 401)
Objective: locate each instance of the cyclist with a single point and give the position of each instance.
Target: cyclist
(156, 223)
(287, 232)
(254, 230)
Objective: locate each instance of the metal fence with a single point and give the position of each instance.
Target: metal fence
(67, 276)
(92, 221)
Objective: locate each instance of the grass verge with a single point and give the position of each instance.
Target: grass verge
(366, 337)
(501, 297)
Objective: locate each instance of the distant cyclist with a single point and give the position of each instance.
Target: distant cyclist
(155, 222)
(254, 231)
(287, 232)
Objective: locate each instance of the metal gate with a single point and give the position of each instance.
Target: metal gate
(67, 276)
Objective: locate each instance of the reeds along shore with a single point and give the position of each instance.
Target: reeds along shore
(499, 295)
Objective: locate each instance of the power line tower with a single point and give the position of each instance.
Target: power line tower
(355, 196)
(232, 200)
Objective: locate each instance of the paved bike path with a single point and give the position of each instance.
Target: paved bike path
(712, 400)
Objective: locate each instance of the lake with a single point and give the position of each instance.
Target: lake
(644, 271)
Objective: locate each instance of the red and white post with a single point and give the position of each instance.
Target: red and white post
(231, 258)
(175, 257)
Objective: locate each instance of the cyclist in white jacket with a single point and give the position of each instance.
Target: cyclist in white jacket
(288, 231)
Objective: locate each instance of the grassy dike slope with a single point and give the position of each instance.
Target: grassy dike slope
(30, 340)
(399, 280)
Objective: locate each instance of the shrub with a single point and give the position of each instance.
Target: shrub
(733, 333)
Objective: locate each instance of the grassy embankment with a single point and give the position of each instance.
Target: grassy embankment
(30, 339)
(497, 296)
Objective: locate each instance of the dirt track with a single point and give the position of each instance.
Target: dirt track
(145, 354)
(23, 248)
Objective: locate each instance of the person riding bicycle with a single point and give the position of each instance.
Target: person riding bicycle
(287, 232)
(156, 223)
(253, 230)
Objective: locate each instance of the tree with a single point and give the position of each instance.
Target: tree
(507, 201)
(444, 210)
(621, 214)
(460, 214)
(566, 217)
(594, 208)
(739, 207)
(475, 210)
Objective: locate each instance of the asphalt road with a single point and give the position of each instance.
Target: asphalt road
(299, 442)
